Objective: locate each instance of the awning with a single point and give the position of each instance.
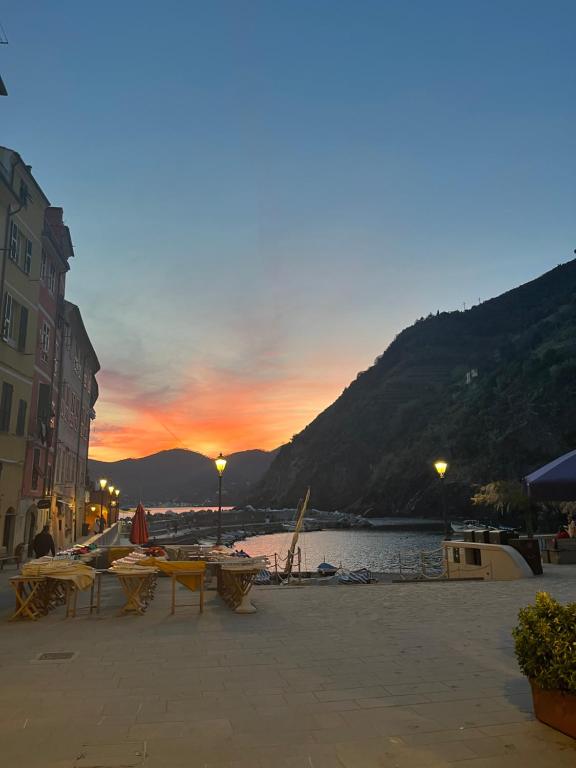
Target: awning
(555, 481)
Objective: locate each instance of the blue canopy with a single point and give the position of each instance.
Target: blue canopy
(555, 481)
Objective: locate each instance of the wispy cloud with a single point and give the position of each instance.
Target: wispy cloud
(216, 409)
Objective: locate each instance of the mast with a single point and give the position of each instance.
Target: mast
(302, 505)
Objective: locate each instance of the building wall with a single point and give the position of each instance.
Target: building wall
(39, 462)
(50, 408)
(76, 399)
(22, 206)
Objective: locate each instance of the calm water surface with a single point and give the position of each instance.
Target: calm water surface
(377, 550)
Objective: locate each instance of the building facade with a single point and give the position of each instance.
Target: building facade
(78, 392)
(47, 369)
(22, 210)
(35, 504)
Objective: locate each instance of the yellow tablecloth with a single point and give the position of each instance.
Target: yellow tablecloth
(185, 572)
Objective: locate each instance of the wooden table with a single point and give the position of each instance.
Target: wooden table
(30, 597)
(234, 584)
(138, 588)
(192, 580)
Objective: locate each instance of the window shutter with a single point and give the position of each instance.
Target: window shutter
(6, 406)
(21, 421)
(23, 328)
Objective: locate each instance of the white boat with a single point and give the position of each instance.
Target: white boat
(476, 525)
(469, 525)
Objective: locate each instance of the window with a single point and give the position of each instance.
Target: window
(14, 242)
(43, 266)
(77, 370)
(8, 317)
(45, 341)
(51, 278)
(28, 257)
(6, 406)
(23, 329)
(35, 468)
(56, 358)
(21, 420)
(24, 194)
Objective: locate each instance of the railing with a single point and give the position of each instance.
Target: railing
(107, 538)
(421, 565)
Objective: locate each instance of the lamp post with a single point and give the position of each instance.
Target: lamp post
(110, 504)
(441, 466)
(220, 467)
(117, 492)
(93, 524)
(103, 483)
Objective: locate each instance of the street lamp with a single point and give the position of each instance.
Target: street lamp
(220, 467)
(117, 492)
(93, 510)
(441, 466)
(110, 504)
(103, 483)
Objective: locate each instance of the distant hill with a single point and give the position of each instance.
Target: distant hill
(180, 475)
(491, 389)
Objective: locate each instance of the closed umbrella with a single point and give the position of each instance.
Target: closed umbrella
(139, 532)
(555, 481)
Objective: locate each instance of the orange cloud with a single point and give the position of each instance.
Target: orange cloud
(214, 410)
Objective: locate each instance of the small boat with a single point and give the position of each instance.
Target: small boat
(263, 578)
(469, 525)
(360, 576)
(327, 569)
(476, 525)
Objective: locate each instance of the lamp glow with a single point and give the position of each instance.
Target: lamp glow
(220, 464)
(117, 492)
(441, 467)
(103, 483)
(111, 488)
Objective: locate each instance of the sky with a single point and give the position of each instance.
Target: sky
(262, 194)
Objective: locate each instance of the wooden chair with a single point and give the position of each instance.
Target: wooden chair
(16, 558)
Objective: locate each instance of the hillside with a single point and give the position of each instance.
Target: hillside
(373, 448)
(180, 475)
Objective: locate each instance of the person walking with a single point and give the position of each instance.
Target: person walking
(43, 543)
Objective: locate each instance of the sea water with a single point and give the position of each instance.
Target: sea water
(376, 550)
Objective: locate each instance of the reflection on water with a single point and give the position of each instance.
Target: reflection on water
(376, 550)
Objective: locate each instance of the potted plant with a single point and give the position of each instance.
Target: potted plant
(545, 640)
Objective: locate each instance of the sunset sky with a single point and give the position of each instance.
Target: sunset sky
(262, 194)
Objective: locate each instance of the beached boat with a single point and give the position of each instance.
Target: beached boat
(327, 569)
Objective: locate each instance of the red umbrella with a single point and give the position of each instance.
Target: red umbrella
(139, 532)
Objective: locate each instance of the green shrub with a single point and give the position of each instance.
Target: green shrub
(545, 641)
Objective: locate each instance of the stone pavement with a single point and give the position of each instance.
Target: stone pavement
(395, 675)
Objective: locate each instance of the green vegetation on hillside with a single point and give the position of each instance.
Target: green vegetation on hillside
(373, 448)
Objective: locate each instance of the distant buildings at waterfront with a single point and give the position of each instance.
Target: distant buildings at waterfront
(48, 387)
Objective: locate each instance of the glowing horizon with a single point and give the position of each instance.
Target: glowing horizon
(259, 414)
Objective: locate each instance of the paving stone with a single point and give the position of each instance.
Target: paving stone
(410, 676)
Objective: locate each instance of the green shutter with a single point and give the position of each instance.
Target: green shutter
(23, 328)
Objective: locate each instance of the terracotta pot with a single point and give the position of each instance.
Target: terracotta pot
(555, 708)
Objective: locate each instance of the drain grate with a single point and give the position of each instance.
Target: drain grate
(56, 656)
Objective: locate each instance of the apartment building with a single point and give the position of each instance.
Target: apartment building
(78, 392)
(47, 368)
(57, 249)
(22, 210)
